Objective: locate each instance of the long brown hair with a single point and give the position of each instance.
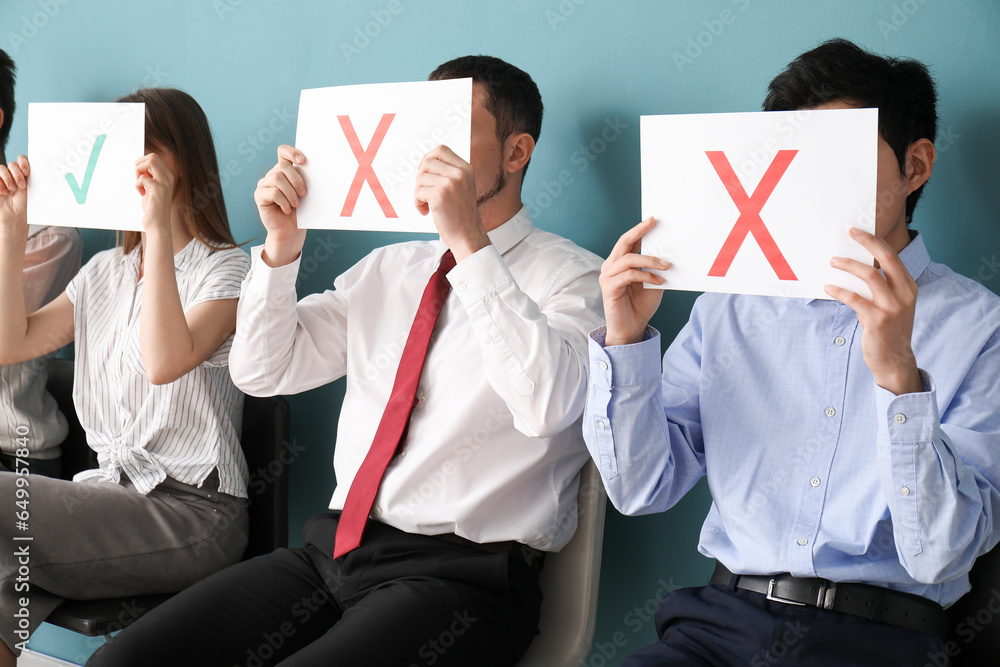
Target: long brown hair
(176, 122)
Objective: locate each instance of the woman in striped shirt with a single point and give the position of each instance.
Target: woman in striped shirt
(152, 321)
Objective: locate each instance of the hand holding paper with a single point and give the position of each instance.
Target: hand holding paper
(14, 195)
(887, 319)
(446, 188)
(628, 307)
(278, 196)
(155, 184)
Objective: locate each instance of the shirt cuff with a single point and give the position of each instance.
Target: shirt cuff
(908, 417)
(268, 280)
(619, 365)
(479, 274)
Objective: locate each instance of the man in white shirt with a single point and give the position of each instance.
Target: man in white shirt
(485, 477)
(30, 421)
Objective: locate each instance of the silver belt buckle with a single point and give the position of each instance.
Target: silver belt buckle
(770, 596)
(827, 595)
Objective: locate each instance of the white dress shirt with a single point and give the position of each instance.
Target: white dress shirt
(184, 429)
(51, 259)
(494, 446)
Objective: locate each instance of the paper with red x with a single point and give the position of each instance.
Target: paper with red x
(363, 144)
(758, 203)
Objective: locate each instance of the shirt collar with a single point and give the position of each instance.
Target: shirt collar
(507, 235)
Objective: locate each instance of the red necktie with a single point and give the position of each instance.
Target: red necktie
(361, 495)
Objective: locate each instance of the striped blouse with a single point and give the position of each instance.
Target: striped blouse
(184, 429)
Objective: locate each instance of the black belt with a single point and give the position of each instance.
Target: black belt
(871, 602)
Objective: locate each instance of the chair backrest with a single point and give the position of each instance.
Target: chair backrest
(975, 618)
(266, 448)
(76, 455)
(570, 582)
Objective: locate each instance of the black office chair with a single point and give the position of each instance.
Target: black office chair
(975, 618)
(265, 445)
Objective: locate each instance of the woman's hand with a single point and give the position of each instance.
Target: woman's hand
(14, 196)
(155, 184)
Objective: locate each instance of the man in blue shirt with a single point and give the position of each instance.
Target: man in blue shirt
(852, 446)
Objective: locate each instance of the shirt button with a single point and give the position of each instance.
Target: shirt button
(402, 453)
(422, 397)
(460, 287)
(802, 541)
(603, 365)
(815, 481)
(839, 340)
(900, 418)
(905, 490)
(602, 424)
(830, 412)
(378, 510)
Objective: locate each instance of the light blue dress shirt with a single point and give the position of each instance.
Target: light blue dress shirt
(813, 468)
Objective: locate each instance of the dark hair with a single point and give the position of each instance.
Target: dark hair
(175, 122)
(511, 96)
(7, 70)
(902, 90)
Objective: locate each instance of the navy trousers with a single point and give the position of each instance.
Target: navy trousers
(713, 626)
(398, 600)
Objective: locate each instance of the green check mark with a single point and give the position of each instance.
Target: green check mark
(80, 191)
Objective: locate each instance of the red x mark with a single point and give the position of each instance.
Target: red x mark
(749, 220)
(365, 157)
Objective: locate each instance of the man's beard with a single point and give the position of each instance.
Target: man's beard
(498, 185)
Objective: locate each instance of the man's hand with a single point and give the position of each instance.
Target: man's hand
(14, 197)
(446, 188)
(887, 320)
(277, 196)
(628, 306)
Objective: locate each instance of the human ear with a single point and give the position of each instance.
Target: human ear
(919, 163)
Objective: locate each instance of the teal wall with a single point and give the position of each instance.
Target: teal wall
(596, 63)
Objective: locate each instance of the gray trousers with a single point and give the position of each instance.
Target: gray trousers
(92, 541)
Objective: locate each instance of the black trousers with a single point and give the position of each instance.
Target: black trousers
(713, 626)
(398, 600)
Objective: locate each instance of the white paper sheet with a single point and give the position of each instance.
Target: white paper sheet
(821, 169)
(82, 159)
(406, 119)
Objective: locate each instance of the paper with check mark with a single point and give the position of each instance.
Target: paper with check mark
(83, 164)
